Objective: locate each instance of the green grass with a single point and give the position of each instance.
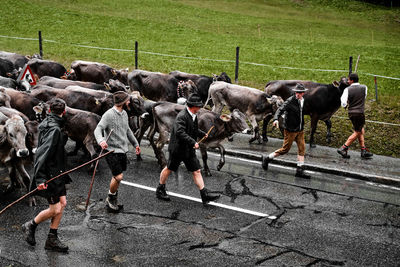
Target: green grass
(309, 34)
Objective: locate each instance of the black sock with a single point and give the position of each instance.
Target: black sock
(34, 225)
(345, 147)
(53, 231)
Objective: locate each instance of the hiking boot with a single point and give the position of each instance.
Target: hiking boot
(161, 193)
(207, 197)
(54, 244)
(112, 202)
(300, 173)
(265, 161)
(365, 154)
(29, 231)
(343, 152)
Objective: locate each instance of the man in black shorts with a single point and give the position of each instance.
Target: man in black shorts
(116, 119)
(49, 162)
(182, 147)
(353, 98)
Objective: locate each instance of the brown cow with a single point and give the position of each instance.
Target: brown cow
(96, 72)
(46, 68)
(24, 102)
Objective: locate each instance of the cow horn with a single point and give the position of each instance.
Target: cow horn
(107, 86)
(335, 83)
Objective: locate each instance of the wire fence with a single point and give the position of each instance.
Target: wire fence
(209, 59)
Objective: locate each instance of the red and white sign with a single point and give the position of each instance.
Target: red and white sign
(26, 75)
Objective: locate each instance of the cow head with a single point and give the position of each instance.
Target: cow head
(275, 101)
(40, 111)
(185, 88)
(136, 105)
(32, 135)
(342, 84)
(14, 132)
(71, 75)
(223, 77)
(4, 98)
(236, 122)
(114, 85)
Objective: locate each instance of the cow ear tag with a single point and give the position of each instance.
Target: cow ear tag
(225, 117)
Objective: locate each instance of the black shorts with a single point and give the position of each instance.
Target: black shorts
(192, 163)
(56, 198)
(117, 163)
(358, 121)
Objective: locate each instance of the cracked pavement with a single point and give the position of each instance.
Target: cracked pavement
(325, 221)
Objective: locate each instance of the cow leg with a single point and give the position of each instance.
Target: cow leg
(264, 129)
(222, 157)
(158, 152)
(204, 156)
(329, 134)
(26, 180)
(256, 130)
(13, 178)
(90, 148)
(314, 122)
(74, 152)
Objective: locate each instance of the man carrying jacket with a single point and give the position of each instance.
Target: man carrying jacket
(50, 161)
(293, 130)
(182, 147)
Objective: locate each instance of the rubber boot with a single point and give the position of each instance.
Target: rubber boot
(112, 202)
(29, 231)
(265, 161)
(161, 193)
(207, 197)
(53, 243)
(365, 154)
(300, 173)
(343, 152)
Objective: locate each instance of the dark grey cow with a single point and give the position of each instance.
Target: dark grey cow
(7, 69)
(25, 103)
(96, 72)
(202, 82)
(164, 114)
(255, 104)
(321, 101)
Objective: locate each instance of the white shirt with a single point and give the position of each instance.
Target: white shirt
(191, 114)
(345, 95)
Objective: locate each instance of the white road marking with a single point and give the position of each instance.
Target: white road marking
(256, 213)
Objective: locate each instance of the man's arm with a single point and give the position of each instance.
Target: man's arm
(344, 97)
(181, 131)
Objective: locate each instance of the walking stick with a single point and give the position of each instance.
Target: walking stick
(94, 173)
(55, 177)
(204, 137)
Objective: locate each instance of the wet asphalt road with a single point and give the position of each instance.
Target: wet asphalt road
(325, 221)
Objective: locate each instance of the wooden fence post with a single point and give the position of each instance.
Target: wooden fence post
(237, 65)
(136, 54)
(40, 45)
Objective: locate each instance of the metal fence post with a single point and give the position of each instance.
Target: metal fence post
(350, 65)
(40, 45)
(237, 65)
(136, 54)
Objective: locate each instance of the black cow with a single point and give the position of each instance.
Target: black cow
(321, 101)
(42, 68)
(164, 114)
(7, 69)
(112, 85)
(201, 81)
(96, 72)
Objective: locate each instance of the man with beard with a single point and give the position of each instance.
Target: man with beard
(116, 119)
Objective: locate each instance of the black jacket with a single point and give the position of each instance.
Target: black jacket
(50, 158)
(184, 135)
(294, 117)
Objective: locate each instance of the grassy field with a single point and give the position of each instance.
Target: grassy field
(307, 35)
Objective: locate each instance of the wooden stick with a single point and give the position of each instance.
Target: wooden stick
(204, 137)
(94, 173)
(55, 177)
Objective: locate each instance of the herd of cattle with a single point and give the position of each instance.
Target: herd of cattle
(155, 100)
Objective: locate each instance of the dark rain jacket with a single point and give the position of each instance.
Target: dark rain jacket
(184, 135)
(293, 115)
(50, 157)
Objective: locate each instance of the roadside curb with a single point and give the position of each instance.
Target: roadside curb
(361, 176)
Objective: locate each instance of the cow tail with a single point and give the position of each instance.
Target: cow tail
(208, 98)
